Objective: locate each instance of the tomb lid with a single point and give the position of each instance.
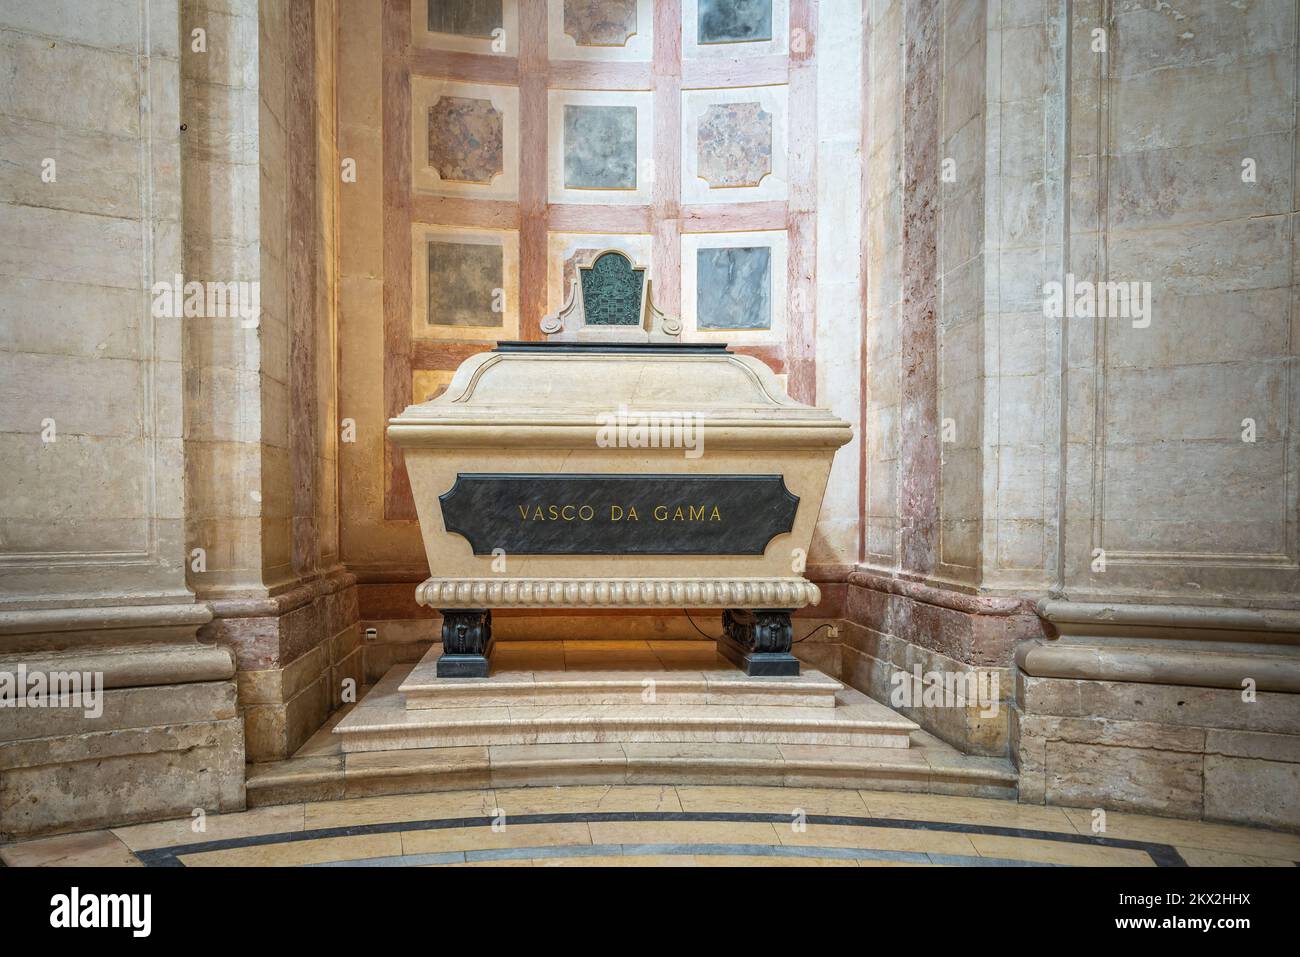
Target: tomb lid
(551, 393)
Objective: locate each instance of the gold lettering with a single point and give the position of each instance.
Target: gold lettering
(631, 514)
(679, 514)
(567, 512)
(553, 511)
(590, 513)
(538, 516)
(716, 516)
(661, 513)
(523, 513)
(697, 513)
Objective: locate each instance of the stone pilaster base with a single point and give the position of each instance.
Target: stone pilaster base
(299, 657)
(1176, 710)
(164, 739)
(940, 657)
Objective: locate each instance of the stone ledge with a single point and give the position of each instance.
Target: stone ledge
(135, 665)
(48, 629)
(1085, 618)
(1153, 661)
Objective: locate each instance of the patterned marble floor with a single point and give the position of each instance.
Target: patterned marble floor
(664, 826)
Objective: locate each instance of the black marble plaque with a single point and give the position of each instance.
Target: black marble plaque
(549, 514)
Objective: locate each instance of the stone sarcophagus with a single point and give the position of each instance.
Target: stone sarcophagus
(630, 471)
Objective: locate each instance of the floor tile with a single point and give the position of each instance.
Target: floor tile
(1058, 852)
(1215, 837)
(482, 838)
(682, 832)
(297, 853)
(774, 800)
(568, 800)
(879, 838)
(399, 807)
(88, 849)
(277, 819)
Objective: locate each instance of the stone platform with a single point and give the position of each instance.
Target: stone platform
(576, 713)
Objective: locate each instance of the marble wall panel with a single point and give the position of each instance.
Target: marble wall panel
(600, 23)
(465, 283)
(733, 21)
(600, 147)
(616, 30)
(734, 286)
(464, 18)
(465, 279)
(735, 28)
(735, 144)
(428, 384)
(467, 26)
(464, 139)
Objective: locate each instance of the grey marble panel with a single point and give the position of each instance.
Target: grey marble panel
(465, 18)
(735, 21)
(599, 147)
(733, 288)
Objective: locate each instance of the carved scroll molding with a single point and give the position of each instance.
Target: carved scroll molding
(617, 593)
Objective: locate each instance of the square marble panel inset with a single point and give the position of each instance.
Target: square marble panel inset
(734, 287)
(466, 284)
(470, 26)
(735, 28)
(465, 18)
(617, 30)
(599, 147)
(464, 138)
(735, 145)
(734, 21)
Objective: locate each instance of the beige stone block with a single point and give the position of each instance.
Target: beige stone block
(1126, 778)
(1253, 744)
(318, 778)
(81, 781)
(275, 731)
(124, 708)
(1252, 791)
(70, 86)
(1168, 108)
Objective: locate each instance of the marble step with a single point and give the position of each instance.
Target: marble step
(321, 772)
(423, 689)
(382, 722)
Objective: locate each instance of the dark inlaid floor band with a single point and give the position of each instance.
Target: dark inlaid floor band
(1163, 855)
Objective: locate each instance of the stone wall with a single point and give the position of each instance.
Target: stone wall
(92, 535)
(263, 419)
(1131, 460)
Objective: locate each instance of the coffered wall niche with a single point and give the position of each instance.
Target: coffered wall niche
(501, 145)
